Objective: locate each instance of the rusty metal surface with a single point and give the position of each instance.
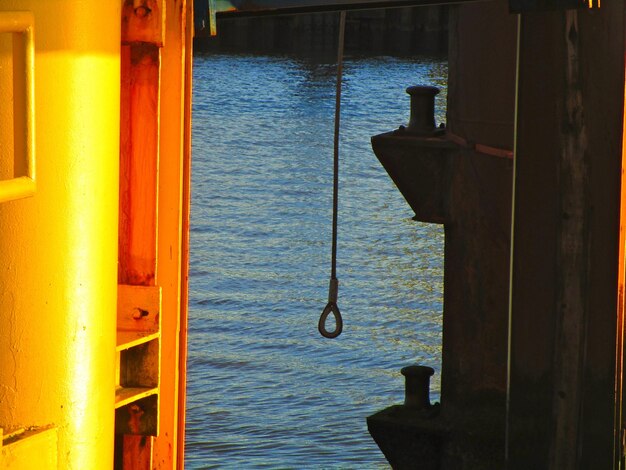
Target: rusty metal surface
(470, 193)
(407, 439)
(481, 77)
(426, 195)
(139, 418)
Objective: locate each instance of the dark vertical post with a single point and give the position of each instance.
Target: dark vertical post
(572, 257)
(566, 250)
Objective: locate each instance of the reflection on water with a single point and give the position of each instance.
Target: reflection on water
(264, 389)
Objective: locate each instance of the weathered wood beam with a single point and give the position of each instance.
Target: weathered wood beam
(571, 257)
(564, 318)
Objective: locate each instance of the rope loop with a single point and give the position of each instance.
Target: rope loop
(331, 307)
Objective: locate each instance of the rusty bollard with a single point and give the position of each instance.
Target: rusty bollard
(422, 120)
(411, 435)
(417, 389)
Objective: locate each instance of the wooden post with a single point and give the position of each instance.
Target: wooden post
(564, 318)
(572, 259)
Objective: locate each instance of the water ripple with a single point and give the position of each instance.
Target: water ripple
(264, 390)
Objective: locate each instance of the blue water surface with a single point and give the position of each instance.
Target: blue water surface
(265, 390)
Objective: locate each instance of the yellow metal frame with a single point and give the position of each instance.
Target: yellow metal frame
(22, 22)
(112, 385)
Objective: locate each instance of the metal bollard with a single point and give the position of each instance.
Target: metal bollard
(422, 119)
(417, 386)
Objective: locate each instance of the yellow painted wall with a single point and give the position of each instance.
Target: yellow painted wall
(32, 450)
(58, 249)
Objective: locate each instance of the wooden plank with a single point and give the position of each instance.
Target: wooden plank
(572, 258)
(139, 157)
(565, 352)
(138, 309)
(142, 21)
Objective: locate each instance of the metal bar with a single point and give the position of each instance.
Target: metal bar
(185, 217)
(284, 7)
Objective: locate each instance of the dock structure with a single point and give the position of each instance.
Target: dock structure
(94, 205)
(533, 291)
(395, 31)
(526, 177)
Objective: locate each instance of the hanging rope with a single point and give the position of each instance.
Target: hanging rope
(333, 289)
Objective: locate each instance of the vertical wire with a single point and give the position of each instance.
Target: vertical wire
(342, 28)
(618, 421)
(507, 431)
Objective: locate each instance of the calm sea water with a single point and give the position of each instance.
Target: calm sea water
(265, 390)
